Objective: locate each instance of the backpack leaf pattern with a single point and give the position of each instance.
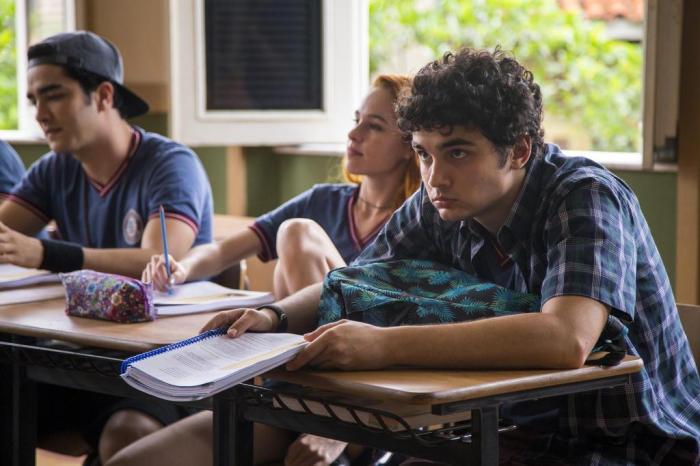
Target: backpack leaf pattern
(411, 292)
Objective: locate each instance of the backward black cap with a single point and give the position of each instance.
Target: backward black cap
(87, 51)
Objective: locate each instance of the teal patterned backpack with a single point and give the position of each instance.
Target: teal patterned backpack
(414, 292)
(408, 292)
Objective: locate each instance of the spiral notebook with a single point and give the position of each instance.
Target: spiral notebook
(204, 365)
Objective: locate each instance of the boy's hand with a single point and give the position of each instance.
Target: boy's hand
(346, 345)
(19, 249)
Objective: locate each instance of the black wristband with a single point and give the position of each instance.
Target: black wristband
(61, 256)
(282, 321)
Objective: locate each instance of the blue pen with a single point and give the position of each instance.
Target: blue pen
(164, 234)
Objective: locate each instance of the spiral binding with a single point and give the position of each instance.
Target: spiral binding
(164, 349)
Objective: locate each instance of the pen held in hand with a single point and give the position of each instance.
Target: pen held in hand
(164, 235)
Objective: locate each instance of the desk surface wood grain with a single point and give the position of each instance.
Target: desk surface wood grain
(423, 386)
(47, 319)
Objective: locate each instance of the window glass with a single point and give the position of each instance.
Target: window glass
(33, 20)
(45, 18)
(8, 66)
(585, 55)
(263, 54)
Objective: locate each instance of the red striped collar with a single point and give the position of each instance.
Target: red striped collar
(103, 190)
(360, 242)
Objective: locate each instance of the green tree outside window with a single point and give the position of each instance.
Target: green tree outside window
(8, 66)
(592, 82)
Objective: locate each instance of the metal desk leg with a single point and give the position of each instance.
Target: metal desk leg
(233, 435)
(485, 436)
(17, 417)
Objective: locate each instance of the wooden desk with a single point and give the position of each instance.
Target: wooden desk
(24, 360)
(47, 319)
(442, 392)
(440, 387)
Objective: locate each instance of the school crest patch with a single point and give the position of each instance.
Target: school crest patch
(132, 228)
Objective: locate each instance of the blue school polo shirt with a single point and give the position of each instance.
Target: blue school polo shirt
(159, 172)
(329, 205)
(11, 169)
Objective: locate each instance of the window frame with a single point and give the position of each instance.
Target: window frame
(660, 107)
(345, 80)
(661, 89)
(28, 129)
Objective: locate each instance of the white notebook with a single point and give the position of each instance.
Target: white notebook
(14, 276)
(206, 296)
(209, 363)
(31, 295)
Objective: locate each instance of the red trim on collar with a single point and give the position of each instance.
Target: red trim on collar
(104, 190)
(503, 258)
(360, 242)
(373, 233)
(351, 220)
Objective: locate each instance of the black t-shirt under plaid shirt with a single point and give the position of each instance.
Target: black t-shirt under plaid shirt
(577, 229)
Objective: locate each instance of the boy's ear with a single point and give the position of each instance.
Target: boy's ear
(522, 150)
(104, 94)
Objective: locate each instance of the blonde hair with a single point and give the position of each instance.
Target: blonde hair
(396, 85)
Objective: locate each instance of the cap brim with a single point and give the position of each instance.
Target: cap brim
(133, 104)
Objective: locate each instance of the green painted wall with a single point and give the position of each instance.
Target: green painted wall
(657, 196)
(273, 178)
(286, 176)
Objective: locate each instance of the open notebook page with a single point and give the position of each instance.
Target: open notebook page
(14, 276)
(215, 358)
(206, 296)
(31, 294)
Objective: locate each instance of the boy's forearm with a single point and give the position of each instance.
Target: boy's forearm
(527, 341)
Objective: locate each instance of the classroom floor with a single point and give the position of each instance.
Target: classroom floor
(48, 458)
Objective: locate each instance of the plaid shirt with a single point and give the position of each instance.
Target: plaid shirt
(577, 229)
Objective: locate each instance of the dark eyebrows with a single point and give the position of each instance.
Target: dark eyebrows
(447, 144)
(44, 90)
(455, 142)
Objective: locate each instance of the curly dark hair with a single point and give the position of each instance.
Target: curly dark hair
(479, 89)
